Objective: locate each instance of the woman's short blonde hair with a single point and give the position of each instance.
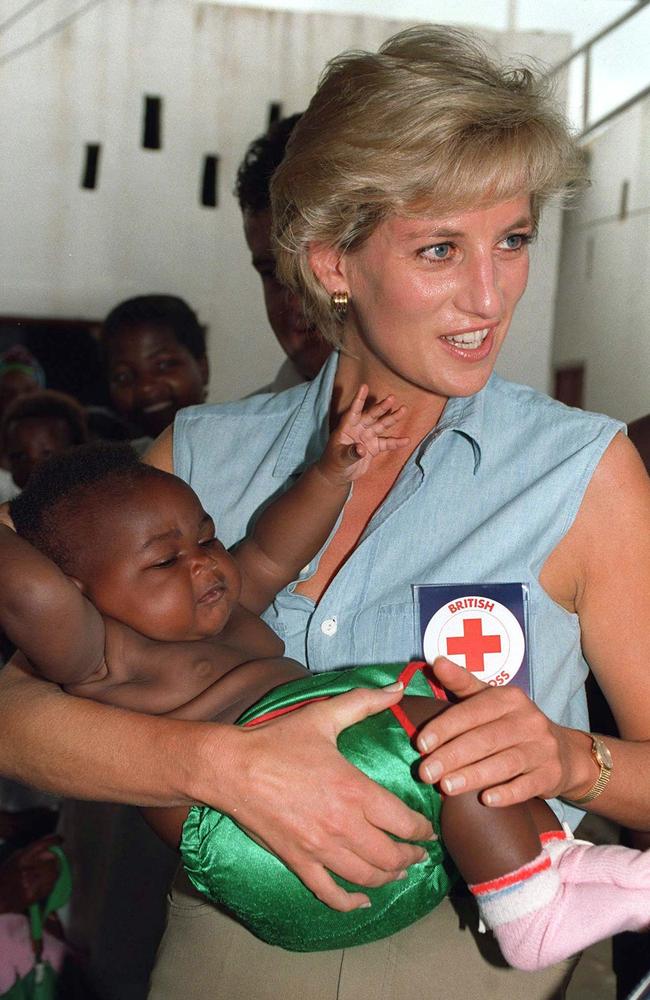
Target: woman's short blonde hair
(430, 123)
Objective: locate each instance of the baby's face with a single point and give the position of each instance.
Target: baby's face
(158, 566)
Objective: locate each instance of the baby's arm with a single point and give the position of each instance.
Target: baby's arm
(294, 527)
(46, 616)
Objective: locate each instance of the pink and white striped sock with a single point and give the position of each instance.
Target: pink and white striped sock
(572, 895)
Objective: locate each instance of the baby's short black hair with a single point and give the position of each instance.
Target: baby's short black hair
(61, 509)
(263, 156)
(159, 310)
(46, 404)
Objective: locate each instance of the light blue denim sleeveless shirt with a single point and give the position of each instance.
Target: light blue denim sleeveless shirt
(485, 497)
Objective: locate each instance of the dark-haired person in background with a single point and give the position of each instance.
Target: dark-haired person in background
(156, 361)
(37, 425)
(20, 374)
(306, 350)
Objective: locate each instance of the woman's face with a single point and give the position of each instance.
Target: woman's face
(431, 298)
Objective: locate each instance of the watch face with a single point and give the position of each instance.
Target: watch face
(603, 756)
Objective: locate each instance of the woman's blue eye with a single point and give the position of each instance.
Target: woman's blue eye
(516, 241)
(440, 251)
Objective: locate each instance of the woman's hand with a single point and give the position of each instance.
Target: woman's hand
(298, 797)
(497, 741)
(285, 782)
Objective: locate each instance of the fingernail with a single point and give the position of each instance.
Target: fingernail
(365, 906)
(401, 876)
(454, 784)
(433, 770)
(427, 743)
(491, 798)
(397, 686)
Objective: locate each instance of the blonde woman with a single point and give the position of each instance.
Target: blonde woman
(403, 210)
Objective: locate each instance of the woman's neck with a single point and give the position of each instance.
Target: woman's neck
(424, 408)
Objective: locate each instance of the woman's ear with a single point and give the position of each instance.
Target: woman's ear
(328, 264)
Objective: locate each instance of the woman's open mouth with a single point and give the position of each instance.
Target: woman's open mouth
(473, 345)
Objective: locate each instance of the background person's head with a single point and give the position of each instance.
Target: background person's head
(20, 374)
(298, 338)
(429, 125)
(36, 426)
(156, 361)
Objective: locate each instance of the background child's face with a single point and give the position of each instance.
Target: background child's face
(14, 384)
(151, 376)
(158, 567)
(31, 440)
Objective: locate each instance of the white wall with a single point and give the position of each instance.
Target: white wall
(69, 252)
(603, 310)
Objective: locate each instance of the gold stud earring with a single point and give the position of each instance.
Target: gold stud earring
(340, 302)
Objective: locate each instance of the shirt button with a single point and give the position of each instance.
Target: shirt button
(329, 626)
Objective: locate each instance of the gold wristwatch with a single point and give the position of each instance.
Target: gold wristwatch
(603, 758)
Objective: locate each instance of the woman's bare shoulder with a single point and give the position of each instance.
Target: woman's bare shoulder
(161, 452)
(606, 552)
(610, 530)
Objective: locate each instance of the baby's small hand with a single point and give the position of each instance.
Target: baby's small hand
(361, 436)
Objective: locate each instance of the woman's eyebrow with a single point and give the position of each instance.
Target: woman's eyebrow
(521, 223)
(444, 233)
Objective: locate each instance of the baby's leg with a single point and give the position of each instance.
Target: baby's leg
(545, 896)
(558, 897)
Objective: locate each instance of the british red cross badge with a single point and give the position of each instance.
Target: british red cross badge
(481, 627)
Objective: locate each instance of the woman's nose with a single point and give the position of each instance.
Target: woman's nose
(478, 293)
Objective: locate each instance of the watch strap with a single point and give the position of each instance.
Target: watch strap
(600, 782)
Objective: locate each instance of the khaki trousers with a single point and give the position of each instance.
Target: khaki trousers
(206, 955)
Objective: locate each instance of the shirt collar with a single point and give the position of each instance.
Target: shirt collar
(307, 434)
(463, 415)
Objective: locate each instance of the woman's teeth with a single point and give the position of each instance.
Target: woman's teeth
(468, 340)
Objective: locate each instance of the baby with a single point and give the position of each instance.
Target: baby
(117, 588)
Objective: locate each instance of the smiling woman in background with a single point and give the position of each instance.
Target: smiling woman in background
(156, 360)
(403, 210)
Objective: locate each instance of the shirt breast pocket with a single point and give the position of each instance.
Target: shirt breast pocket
(396, 636)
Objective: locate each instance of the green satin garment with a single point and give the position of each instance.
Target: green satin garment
(256, 887)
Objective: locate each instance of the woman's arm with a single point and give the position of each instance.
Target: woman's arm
(46, 616)
(264, 777)
(497, 740)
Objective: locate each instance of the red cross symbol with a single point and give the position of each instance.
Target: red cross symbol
(473, 645)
